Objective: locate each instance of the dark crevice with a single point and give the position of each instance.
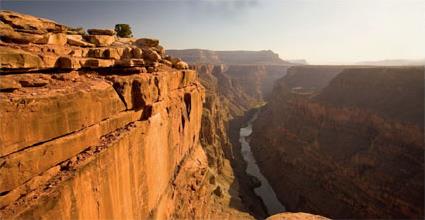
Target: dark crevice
(183, 121)
(147, 113)
(188, 103)
(137, 96)
(156, 81)
(4, 193)
(119, 89)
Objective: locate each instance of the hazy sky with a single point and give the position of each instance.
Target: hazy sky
(321, 31)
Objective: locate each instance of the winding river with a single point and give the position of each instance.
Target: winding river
(264, 191)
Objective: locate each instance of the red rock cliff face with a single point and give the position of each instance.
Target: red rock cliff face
(342, 154)
(95, 126)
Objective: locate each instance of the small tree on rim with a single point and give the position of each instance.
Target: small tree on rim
(123, 30)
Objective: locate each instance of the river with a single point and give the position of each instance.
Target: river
(264, 191)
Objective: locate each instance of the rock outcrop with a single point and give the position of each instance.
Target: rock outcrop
(101, 127)
(296, 216)
(348, 148)
(32, 44)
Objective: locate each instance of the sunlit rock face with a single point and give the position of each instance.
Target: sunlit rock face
(100, 127)
(349, 148)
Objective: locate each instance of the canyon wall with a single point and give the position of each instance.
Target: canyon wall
(225, 100)
(94, 126)
(242, 87)
(352, 147)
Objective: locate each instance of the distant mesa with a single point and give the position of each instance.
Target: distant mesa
(394, 62)
(237, 57)
(298, 61)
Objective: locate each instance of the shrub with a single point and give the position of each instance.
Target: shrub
(123, 30)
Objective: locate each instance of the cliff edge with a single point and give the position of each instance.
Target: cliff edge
(94, 126)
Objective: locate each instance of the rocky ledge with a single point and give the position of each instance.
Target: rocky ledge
(30, 43)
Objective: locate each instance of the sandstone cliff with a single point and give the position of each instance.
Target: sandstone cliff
(94, 126)
(353, 149)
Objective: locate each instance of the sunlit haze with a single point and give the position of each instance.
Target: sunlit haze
(322, 32)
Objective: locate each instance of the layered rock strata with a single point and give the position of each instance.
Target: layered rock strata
(31, 43)
(100, 127)
(353, 149)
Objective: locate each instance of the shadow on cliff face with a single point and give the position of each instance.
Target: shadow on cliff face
(353, 150)
(219, 138)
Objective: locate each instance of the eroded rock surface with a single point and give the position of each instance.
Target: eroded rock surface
(101, 129)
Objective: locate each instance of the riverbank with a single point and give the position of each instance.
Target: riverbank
(263, 189)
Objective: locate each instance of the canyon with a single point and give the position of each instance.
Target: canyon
(348, 146)
(96, 126)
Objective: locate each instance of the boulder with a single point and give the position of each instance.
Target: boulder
(68, 63)
(296, 216)
(113, 53)
(181, 65)
(77, 40)
(160, 49)
(96, 52)
(17, 58)
(100, 40)
(151, 55)
(108, 53)
(123, 41)
(11, 36)
(109, 32)
(53, 38)
(137, 53)
(147, 42)
(95, 63)
(130, 62)
(167, 63)
(173, 60)
(30, 24)
(49, 60)
(126, 40)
